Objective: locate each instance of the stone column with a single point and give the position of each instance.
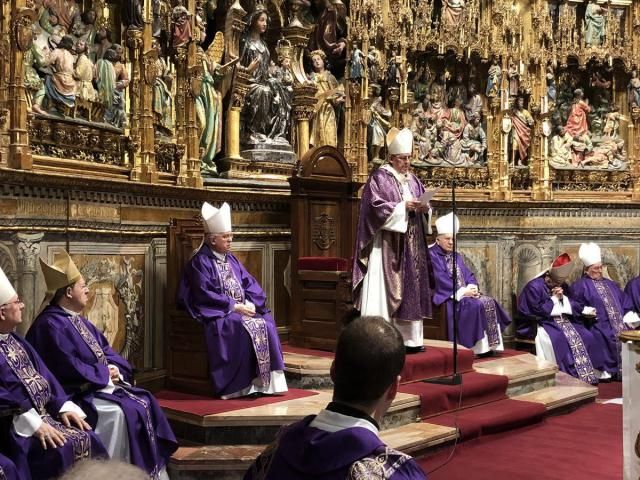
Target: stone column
(28, 248)
(507, 288)
(303, 109)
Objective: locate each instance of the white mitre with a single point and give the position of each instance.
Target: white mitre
(399, 142)
(216, 220)
(590, 254)
(448, 224)
(6, 289)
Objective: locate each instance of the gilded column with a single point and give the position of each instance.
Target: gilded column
(634, 151)
(194, 76)
(28, 248)
(134, 42)
(181, 100)
(21, 21)
(304, 101)
(5, 52)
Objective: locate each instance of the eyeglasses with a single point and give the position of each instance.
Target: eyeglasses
(17, 302)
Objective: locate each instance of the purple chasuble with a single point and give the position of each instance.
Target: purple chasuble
(611, 305)
(302, 452)
(406, 265)
(240, 348)
(79, 355)
(25, 383)
(573, 344)
(476, 316)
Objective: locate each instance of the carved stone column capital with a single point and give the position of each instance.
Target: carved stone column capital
(28, 250)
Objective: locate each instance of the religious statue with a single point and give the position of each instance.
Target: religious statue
(65, 12)
(356, 63)
(161, 17)
(393, 75)
(329, 96)
(612, 120)
(378, 125)
(474, 141)
(494, 79)
(103, 43)
(330, 34)
(33, 83)
(162, 96)
(474, 103)
(513, 75)
(521, 125)
(132, 14)
(83, 74)
(267, 97)
(84, 27)
(438, 89)
(421, 83)
(633, 90)
(457, 91)
(60, 87)
(577, 121)
(594, 24)
(560, 154)
(282, 79)
(181, 26)
(373, 64)
(111, 80)
(425, 134)
(452, 13)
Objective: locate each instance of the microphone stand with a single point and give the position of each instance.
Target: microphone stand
(455, 378)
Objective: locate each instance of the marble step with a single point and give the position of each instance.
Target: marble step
(229, 462)
(566, 394)
(526, 372)
(259, 425)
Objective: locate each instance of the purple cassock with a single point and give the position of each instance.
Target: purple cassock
(8, 470)
(240, 348)
(407, 272)
(26, 383)
(79, 355)
(611, 305)
(476, 316)
(632, 291)
(302, 452)
(574, 346)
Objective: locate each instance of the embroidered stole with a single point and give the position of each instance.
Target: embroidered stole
(256, 327)
(581, 358)
(381, 466)
(39, 392)
(488, 303)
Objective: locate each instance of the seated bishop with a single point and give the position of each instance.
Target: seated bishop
(127, 419)
(632, 290)
(561, 337)
(48, 433)
(481, 319)
(603, 299)
(245, 356)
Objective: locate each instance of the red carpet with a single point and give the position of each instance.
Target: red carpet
(477, 388)
(607, 391)
(434, 362)
(197, 405)
(585, 444)
(494, 417)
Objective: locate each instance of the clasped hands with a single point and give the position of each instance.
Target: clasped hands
(472, 291)
(244, 309)
(50, 437)
(557, 292)
(416, 206)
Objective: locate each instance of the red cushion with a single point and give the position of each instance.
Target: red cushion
(332, 264)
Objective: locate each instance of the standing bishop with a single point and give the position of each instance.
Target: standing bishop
(127, 419)
(391, 268)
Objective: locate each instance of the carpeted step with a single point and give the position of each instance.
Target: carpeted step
(231, 461)
(210, 421)
(307, 368)
(476, 389)
(492, 417)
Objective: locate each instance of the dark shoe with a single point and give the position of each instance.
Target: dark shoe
(410, 350)
(490, 353)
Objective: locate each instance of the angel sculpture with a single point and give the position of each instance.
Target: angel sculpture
(209, 103)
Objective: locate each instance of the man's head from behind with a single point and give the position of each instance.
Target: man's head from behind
(369, 358)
